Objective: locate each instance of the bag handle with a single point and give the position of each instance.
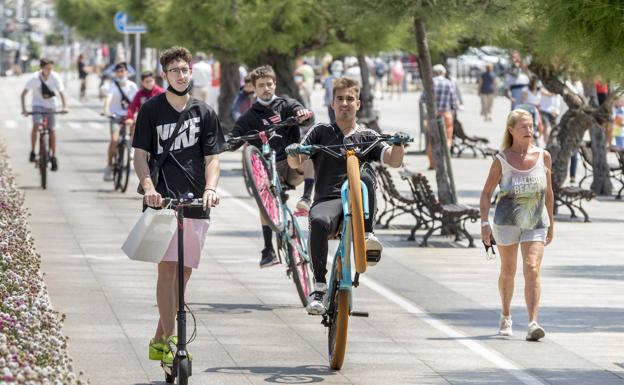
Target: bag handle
(123, 95)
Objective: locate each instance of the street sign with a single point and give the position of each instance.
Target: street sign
(120, 20)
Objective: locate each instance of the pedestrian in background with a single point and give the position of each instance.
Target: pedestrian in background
(82, 75)
(397, 73)
(523, 217)
(336, 70)
(487, 91)
(202, 79)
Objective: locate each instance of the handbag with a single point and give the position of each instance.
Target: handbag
(46, 92)
(155, 166)
(151, 235)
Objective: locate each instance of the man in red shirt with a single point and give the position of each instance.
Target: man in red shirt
(149, 88)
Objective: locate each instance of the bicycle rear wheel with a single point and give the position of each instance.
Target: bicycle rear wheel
(43, 160)
(117, 162)
(337, 336)
(264, 192)
(357, 213)
(299, 264)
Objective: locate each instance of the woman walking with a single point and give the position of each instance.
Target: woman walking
(523, 216)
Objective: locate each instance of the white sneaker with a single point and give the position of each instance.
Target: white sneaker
(304, 204)
(373, 249)
(535, 332)
(108, 174)
(505, 326)
(315, 304)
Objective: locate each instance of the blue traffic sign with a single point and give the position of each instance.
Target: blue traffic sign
(120, 20)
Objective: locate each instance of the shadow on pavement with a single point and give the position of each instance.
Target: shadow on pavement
(236, 308)
(89, 140)
(281, 375)
(563, 376)
(608, 272)
(553, 319)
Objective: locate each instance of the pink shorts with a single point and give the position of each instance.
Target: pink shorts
(194, 237)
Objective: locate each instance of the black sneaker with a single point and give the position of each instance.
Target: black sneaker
(54, 163)
(268, 258)
(32, 156)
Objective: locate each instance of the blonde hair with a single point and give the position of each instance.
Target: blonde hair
(513, 118)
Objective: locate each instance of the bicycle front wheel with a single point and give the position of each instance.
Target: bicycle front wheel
(43, 160)
(338, 327)
(357, 214)
(246, 178)
(264, 192)
(117, 162)
(298, 263)
(125, 169)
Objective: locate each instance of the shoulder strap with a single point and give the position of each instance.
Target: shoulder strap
(176, 130)
(123, 95)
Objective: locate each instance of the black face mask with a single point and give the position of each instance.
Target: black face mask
(174, 91)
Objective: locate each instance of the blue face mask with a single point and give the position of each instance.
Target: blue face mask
(123, 79)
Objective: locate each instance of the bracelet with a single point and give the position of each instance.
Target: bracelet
(210, 189)
(485, 223)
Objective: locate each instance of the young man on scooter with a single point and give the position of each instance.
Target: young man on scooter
(269, 109)
(326, 212)
(191, 166)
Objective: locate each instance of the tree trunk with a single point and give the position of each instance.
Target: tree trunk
(568, 135)
(230, 83)
(444, 190)
(367, 114)
(283, 65)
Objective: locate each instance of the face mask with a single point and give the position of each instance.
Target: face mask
(123, 79)
(174, 91)
(298, 79)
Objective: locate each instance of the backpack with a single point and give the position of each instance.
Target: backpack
(380, 69)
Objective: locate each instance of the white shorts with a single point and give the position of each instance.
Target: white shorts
(505, 235)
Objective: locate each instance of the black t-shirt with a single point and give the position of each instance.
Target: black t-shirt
(82, 74)
(200, 135)
(259, 118)
(331, 172)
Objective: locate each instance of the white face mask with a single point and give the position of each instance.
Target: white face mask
(123, 79)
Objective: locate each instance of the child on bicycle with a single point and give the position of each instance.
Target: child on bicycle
(118, 99)
(44, 84)
(270, 109)
(326, 212)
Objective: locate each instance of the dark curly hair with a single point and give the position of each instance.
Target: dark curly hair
(262, 72)
(175, 53)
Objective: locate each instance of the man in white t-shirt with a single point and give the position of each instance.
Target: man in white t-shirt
(202, 79)
(44, 84)
(120, 95)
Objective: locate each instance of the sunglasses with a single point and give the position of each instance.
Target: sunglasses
(490, 251)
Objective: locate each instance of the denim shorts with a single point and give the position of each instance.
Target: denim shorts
(505, 235)
(37, 117)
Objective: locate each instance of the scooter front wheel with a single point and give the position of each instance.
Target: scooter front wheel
(184, 371)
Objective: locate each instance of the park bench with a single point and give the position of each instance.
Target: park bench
(616, 171)
(572, 197)
(395, 203)
(435, 215)
(463, 141)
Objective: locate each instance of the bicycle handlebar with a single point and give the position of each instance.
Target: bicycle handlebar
(291, 121)
(61, 112)
(310, 149)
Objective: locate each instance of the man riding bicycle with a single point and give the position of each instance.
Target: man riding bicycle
(270, 109)
(118, 99)
(191, 166)
(326, 212)
(44, 85)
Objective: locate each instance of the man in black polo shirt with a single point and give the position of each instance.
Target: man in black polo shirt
(270, 109)
(331, 172)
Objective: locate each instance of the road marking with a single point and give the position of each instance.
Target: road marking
(96, 126)
(12, 124)
(74, 125)
(488, 354)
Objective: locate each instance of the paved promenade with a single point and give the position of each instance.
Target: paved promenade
(433, 311)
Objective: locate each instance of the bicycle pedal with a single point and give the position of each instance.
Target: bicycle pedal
(372, 257)
(359, 314)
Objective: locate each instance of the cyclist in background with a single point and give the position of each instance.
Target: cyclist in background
(118, 99)
(326, 212)
(149, 88)
(44, 84)
(269, 109)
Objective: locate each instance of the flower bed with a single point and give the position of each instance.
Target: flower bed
(32, 348)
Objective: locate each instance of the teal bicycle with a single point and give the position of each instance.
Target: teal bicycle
(354, 193)
(262, 179)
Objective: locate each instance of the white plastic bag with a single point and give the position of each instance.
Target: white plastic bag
(150, 237)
